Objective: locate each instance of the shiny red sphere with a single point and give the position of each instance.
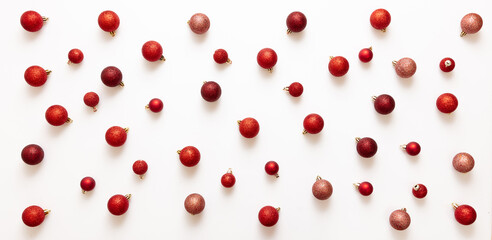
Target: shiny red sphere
(199, 23)
(447, 64)
(211, 91)
(268, 216)
(118, 204)
(221, 56)
(384, 104)
(313, 123)
(152, 51)
(111, 76)
(365, 188)
(296, 22)
(419, 191)
(56, 115)
(194, 203)
(447, 103)
(412, 148)
(75, 56)
(87, 184)
(271, 168)
(91, 99)
(295, 89)
(249, 127)
(32, 154)
(31, 21)
(108, 21)
(465, 214)
(189, 156)
(228, 180)
(367, 147)
(33, 216)
(116, 136)
(35, 76)
(266, 58)
(140, 167)
(155, 105)
(380, 19)
(365, 55)
(338, 66)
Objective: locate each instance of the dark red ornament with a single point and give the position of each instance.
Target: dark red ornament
(464, 214)
(249, 127)
(295, 89)
(399, 219)
(228, 180)
(271, 168)
(447, 103)
(32, 154)
(189, 156)
(364, 188)
(447, 64)
(313, 124)
(111, 76)
(57, 115)
(380, 19)
(36, 76)
(322, 189)
(34, 215)
(194, 203)
(116, 136)
(338, 66)
(463, 162)
(91, 99)
(118, 204)
(471, 23)
(268, 216)
(87, 184)
(211, 91)
(296, 22)
(32, 21)
(412, 148)
(152, 51)
(140, 168)
(109, 21)
(384, 104)
(199, 23)
(267, 58)
(221, 56)
(366, 147)
(419, 191)
(155, 105)
(75, 56)
(405, 67)
(365, 55)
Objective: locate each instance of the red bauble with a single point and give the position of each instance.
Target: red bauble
(463, 162)
(364, 188)
(268, 216)
(75, 56)
(313, 124)
(249, 127)
(152, 51)
(140, 168)
(32, 21)
(267, 58)
(199, 23)
(380, 19)
(399, 219)
(118, 204)
(91, 99)
(221, 56)
(34, 215)
(211, 91)
(109, 21)
(36, 76)
(296, 22)
(384, 104)
(189, 156)
(471, 23)
(322, 189)
(464, 214)
(228, 180)
(194, 203)
(57, 115)
(419, 191)
(447, 103)
(338, 66)
(405, 67)
(32, 154)
(366, 147)
(365, 55)
(155, 105)
(111, 76)
(116, 136)
(271, 168)
(295, 89)
(87, 184)
(412, 148)
(447, 64)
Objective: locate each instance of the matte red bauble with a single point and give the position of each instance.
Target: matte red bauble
(267, 58)
(189, 156)
(295, 89)
(75, 56)
(419, 191)
(194, 203)
(268, 216)
(32, 154)
(87, 184)
(221, 56)
(108, 21)
(111, 76)
(140, 168)
(271, 168)
(249, 127)
(32, 21)
(405, 67)
(228, 180)
(380, 19)
(210, 91)
(36, 76)
(57, 115)
(463, 162)
(91, 99)
(366, 147)
(116, 136)
(322, 189)
(384, 104)
(199, 23)
(155, 105)
(464, 214)
(296, 22)
(118, 204)
(34, 215)
(447, 64)
(152, 51)
(447, 103)
(313, 124)
(412, 148)
(364, 188)
(365, 55)
(471, 23)
(399, 219)
(338, 66)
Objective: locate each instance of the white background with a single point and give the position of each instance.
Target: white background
(425, 31)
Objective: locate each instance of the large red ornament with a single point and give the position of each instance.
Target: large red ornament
(380, 19)
(295, 89)
(399, 219)
(32, 154)
(322, 189)
(228, 180)
(447, 64)
(116, 136)
(189, 156)
(118, 204)
(75, 56)
(405, 67)
(140, 168)
(364, 188)
(108, 21)
(155, 105)
(384, 104)
(221, 56)
(210, 91)
(267, 58)
(471, 23)
(419, 191)
(412, 148)
(87, 184)
(152, 51)
(463, 162)
(313, 124)
(338, 66)
(464, 214)
(91, 99)
(199, 23)
(249, 127)
(296, 22)
(366, 147)
(57, 115)
(271, 168)
(365, 55)
(194, 203)
(447, 103)
(36, 76)
(32, 21)
(268, 216)
(34, 215)
(111, 76)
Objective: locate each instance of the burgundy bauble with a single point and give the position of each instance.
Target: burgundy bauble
(464, 214)
(108, 21)
(32, 21)
(32, 154)
(463, 162)
(364, 188)
(199, 23)
(296, 22)
(111, 76)
(36, 76)
(152, 51)
(322, 189)
(57, 115)
(155, 105)
(366, 147)
(268, 216)
(419, 191)
(118, 204)
(365, 55)
(194, 203)
(295, 89)
(271, 168)
(75, 56)
(87, 184)
(34, 215)
(447, 64)
(228, 180)
(211, 91)
(140, 167)
(267, 58)
(380, 19)
(116, 136)
(249, 127)
(221, 56)
(471, 23)
(399, 219)
(447, 103)
(189, 156)
(91, 99)
(405, 67)
(338, 66)
(384, 104)
(412, 148)
(313, 124)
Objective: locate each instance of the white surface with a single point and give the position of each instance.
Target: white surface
(425, 32)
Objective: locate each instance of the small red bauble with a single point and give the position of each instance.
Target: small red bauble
(34, 215)
(322, 189)
(471, 23)
(189, 156)
(384, 104)
(91, 99)
(338, 66)
(365, 55)
(36, 76)
(87, 184)
(211, 91)
(109, 21)
(364, 188)
(447, 103)
(267, 58)
(111, 76)
(447, 64)
(271, 168)
(32, 21)
(313, 124)
(463, 162)
(116, 136)
(419, 191)
(296, 22)
(194, 203)
(75, 56)
(366, 147)
(380, 19)
(152, 51)
(399, 219)
(228, 180)
(412, 148)
(140, 168)
(155, 105)
(268, 216)
(295, 89)
(118, 204)
(199, 23)
(32, 154)
(464, 214)
(221, 56)
(405, 67)
(249, 127)
(57, 115)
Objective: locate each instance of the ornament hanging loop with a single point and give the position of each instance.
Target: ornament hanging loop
(69, 120)
(357, 139)
(128, 196)
(49, 71)
(403, 147)
(45, 19)
(229, 61)
(356, 185)
(374, 98)
(278, 209)
(462, 34)
(318, 178)
(179, 151)
(286, 88)
(46, 211)
(394, 63)
(289, 31)
(304, 131)
(112, 33)
(238, 122)
(162, 58)
(229, 170)
(126, 130)
(455, 205)
(122, 84)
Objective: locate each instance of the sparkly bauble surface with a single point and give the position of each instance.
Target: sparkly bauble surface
(338, 66)
(400, 220)
(419, 191)
(380, 19)
(87, 184)
(384, 104)
(268, 216)
(412, 148)
(296, 22)
(322, 189)
(221, 56)
(465, 214)
(32, 154)
(367, 147)
(447, 103)
(194, 203)
(267, 58)
(111, 76)
(108, 21)
(189, 156)
(211, 91)
(118, 204)
(228, 180)
(405, 67)
(91, 99)
(35, 76)
(295, 89)
(156, 105)
(75, 56)
(365, 188)
(140, 167)
(313, 123)
(365, 55)
(249, 127)
(271, 168)
(199, 23)
(33, 216)
(31, 21)
(471, 23)
(56, 115)
(447, 64)
(463, 162)
(152, 51)
(116, 136)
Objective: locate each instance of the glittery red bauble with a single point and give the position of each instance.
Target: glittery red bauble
(380, 19)
(194, 203)
(140, 167)
(463, 162)
(400, 220)
(268, 216)
(189, 156)
(322, 189)
(295, 89)
(87, 184)
(267, 58)
(419, 191)
(75, 56)
(118, 204)
(365, 188)
(366, 147)
(271, 168)
(249, 127)
(34, 215)
(211, 91)
(296, 22)
(112, 76)
(32, 154)
(32, 21)
(155, 105)
(221, 56)
(199, 23)
(91, 99)
(384, 104)
(152, 51)
(109, 21)
(447, 103)
(412, 148)
(465, 214)
(57, 115)
(405, 67)
(36, 76)
(365, 55)
(228, 180)
(313, 123)
(471, 23)
(447, 64)
(116, 136)
(338, 66)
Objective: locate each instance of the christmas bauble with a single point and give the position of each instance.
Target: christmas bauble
(296, 22)
(412, 148)
(108, 21)
(221, 56)
(267, 58)
(91, 99)
(322, 189)
(338, 66)
(364, 188)
(189, 156)
(447, 103)
(152, 51)
(194, 203)
(87, 184)
(57, 115)
(471, 23)
(463, 162)
(155, 105)
(211, 91)
(116, 136)
(313, 124)
(32, 21)
(365, 55)
(36, 76)
(380, 19)
(399, 219)
(199, 23)
(34, 215)
(32, 154)
(111, 76)
(405, 67)
(419, 191)
(140, 168)
(249, 127)
(295, 89)
(447, 64)
(268, 216)
(464, 214)
(118, 204)
(228, 180)
(366, 147)
(384, 104)
(271, 168)
(75, 56)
